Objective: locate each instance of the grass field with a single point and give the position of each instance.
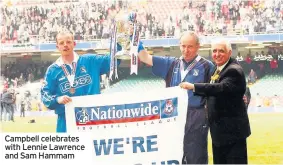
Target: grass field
(265, 145)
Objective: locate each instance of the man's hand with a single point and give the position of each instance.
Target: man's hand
(186, 85)
(245, 99)
(64, 99)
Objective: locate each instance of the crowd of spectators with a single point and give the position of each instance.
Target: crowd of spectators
(17, 74)
(259, 64)
(39, 22)
(91, 20)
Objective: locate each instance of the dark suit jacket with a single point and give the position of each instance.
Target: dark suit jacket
(248, 95)
(227, 114)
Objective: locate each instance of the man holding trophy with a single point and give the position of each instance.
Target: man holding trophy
(190, 67)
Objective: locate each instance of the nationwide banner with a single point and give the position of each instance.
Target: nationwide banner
(131, 128)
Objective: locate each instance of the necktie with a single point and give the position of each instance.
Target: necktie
(216, 72)
(214, 76)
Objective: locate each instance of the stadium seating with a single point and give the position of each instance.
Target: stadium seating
(207, 17)
(269, 85)
(162, 12)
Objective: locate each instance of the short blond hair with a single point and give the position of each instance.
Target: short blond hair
(64, 32)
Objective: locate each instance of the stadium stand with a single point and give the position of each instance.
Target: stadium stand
(22, 23)
(263, 88)
(29, 22)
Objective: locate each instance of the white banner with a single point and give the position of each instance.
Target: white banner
(132, 128)
(120, 128)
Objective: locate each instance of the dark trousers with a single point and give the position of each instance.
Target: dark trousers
(195, 139)
(234, 153)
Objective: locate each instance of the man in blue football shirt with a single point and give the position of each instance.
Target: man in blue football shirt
(190, 67)
(71, 75)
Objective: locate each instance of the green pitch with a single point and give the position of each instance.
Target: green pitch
(265, 145)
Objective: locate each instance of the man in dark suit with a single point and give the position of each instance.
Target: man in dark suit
(227, 113)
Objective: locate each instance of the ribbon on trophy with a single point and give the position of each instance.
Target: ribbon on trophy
(113, 43)
(134, 45)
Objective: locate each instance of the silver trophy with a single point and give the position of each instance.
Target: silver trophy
(124, 31)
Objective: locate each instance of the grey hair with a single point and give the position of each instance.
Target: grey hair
(222, 41)
(190, 33)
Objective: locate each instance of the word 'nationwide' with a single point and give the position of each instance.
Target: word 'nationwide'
(148, 110)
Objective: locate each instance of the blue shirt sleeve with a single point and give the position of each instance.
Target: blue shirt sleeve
(161, 65)
(102, 62)
(48, 92)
